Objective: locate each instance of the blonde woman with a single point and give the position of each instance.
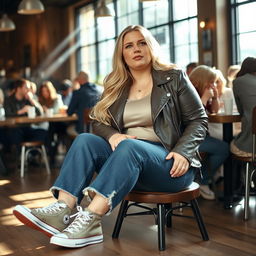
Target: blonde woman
(148, 126)
(204, 79)
(49, 98)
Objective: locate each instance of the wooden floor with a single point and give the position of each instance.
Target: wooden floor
(229, 234)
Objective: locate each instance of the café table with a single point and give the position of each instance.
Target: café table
(227, 126)
(15, 121)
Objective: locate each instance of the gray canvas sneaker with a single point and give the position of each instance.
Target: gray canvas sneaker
(84, 230)
(50, 220)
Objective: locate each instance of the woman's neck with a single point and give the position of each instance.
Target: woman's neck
(141, 75)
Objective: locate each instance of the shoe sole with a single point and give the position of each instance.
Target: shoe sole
(76, 243)
(24, 215)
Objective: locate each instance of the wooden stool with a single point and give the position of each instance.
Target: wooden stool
(26, 147)
(164, 210)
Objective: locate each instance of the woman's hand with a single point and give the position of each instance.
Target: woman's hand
(116, 138)
(180, 164)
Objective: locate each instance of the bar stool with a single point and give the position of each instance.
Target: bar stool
(164, 211)
(28, 146)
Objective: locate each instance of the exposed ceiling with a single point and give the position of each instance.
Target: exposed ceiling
(11, 6)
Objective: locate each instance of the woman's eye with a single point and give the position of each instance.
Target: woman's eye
(128, 46)
(143, 43)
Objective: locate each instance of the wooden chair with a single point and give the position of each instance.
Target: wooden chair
(250, 166)
(164, 210)
(87, 120)
(28, 146)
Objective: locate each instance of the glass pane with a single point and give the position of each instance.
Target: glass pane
(181, 32)
(162, 36)
(106, 25)
(182, 55)
(155, 13)
(106, 50)
(193, 32)
(183, 9)
(246, 17)
(86, 24)
(247, 45)
(124, 7)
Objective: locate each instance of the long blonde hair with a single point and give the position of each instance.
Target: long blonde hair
(201, 76)
(120, 76)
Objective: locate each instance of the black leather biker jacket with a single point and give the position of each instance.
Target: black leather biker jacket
(178, 116)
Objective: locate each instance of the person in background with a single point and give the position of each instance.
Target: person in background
(244, 88)
(147, 129)
(66, 91)
(190, 67)
(231, 74)
(33, 89)
(204, 79)
(83, 98)
(49, 98)
(1, 97)
(18, 104)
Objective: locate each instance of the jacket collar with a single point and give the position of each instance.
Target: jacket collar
(158, 97)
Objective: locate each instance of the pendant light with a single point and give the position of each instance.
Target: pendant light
(103, 11)
(6, 24)
(28, 7)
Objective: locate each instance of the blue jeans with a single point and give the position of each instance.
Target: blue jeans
(217, 152)
(134, 164)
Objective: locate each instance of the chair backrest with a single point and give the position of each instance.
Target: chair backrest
(87, 118)
(253, 134)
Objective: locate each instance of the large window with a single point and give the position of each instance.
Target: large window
(243, 30)
(172, 22)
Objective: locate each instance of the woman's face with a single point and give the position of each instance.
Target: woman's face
(45, 93)
(136, 53)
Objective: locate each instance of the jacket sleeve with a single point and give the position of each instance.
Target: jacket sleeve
(103, 130)
(194, 120)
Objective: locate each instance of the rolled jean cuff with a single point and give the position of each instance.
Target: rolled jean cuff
(109, 197)
(55, 192)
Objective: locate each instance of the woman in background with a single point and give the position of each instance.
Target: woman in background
(49, 98)
(244, 87)
(204, 79)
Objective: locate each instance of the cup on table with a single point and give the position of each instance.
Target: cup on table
(63, 110)
(2, 113)
(31, 112)
(49, 112)
(228, 106)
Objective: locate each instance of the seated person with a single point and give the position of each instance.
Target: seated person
(49, 98)
(83, 98)
(204, 79)
(66, 91)
(18, 104)
(150, 148)
(244, 87)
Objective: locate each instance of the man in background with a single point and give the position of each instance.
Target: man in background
(84, 98)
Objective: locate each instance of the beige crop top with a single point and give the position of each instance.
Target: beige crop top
(137, 119)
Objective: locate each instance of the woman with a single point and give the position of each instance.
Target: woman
(49, 98)
(148, 126)
(204, 79)
(244, 88)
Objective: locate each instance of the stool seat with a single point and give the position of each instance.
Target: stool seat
(32, 143)
(164, 210)
(28, 146)
(190, 193)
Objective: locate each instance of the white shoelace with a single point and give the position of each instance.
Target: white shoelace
(52, 208)
(82, 217)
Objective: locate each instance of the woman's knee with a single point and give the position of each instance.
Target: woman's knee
(86, 140)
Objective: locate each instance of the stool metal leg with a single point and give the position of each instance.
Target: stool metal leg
(161, 226)
(22, 164)
(45, 159)
(247, 191)
(120, 217)
(199, 219)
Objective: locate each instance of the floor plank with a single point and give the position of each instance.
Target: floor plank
(229, 234)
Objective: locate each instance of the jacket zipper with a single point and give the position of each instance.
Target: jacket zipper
(115, 122)
(154, 123)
